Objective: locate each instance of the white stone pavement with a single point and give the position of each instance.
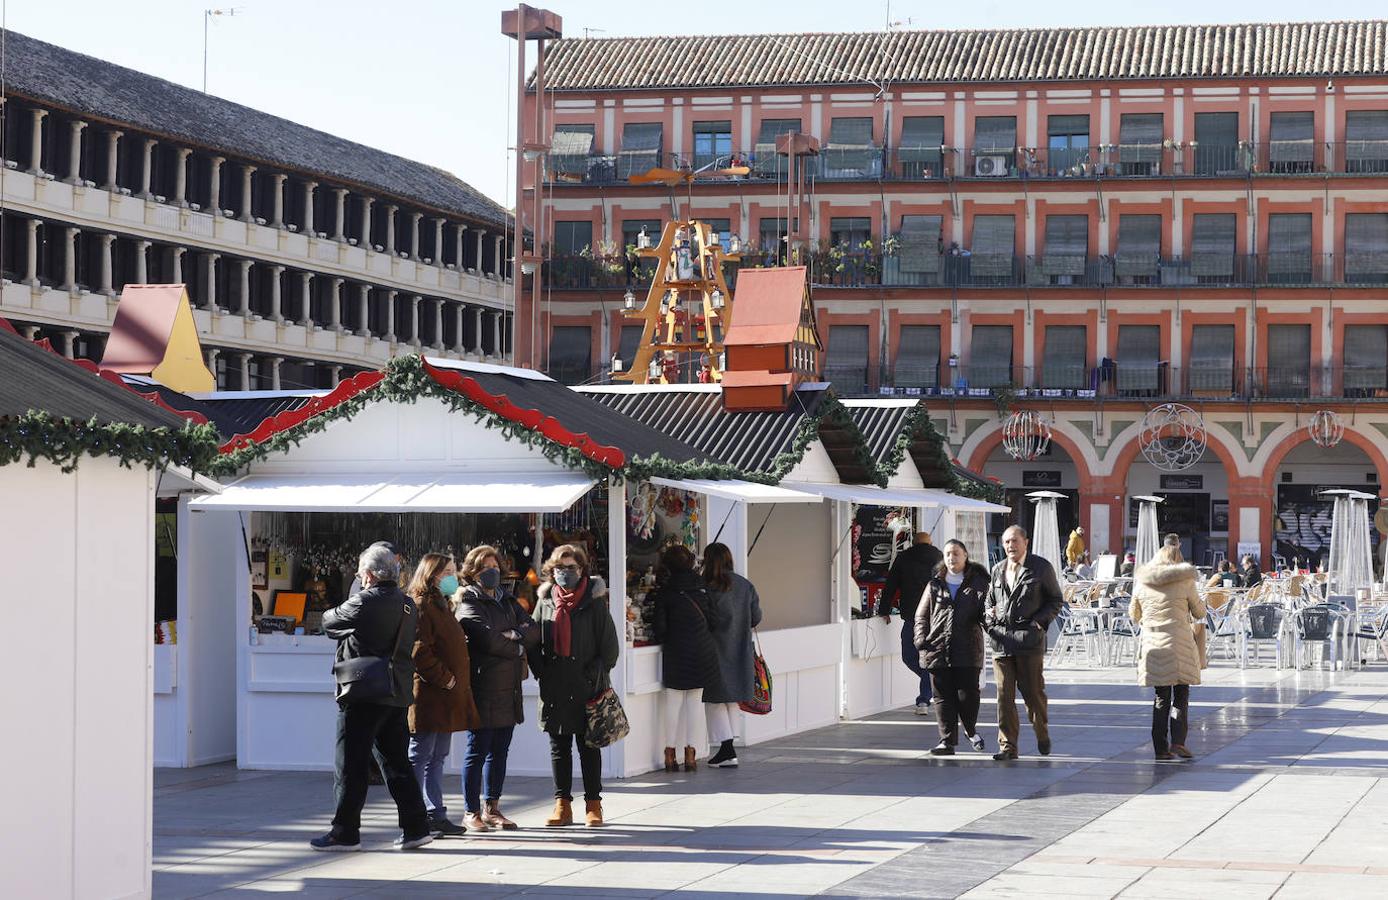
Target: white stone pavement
(1288, 797)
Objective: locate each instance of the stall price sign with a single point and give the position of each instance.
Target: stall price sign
(874, 543)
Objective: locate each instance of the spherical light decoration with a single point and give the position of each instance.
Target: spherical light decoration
(1173, 437)
(1326, 428)
(1025, 436)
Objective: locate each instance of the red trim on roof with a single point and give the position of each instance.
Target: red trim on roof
(272, 426)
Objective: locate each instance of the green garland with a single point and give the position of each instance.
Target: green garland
(39, 435)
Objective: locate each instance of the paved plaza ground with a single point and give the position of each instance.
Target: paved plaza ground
(1288, 797)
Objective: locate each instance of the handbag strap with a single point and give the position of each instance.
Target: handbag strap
(399, 630)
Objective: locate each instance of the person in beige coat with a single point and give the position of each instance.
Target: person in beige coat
(1166, 603)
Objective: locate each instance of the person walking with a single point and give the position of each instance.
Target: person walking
(906, 582)
(374, 628)
(499, 633)
(1023, 599)
(689, 658)
(949, 635)
(577, 650)
(736, 611)
(1167, 604)
(443, 702)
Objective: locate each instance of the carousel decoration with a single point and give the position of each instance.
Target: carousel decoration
(1173, 437)
(1326, 428)
(1025, 436)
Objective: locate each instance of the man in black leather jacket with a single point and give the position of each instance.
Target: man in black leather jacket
(908, 579)
(379, 622)
(1023, 599)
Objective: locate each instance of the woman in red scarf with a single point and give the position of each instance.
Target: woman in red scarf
(577, 651)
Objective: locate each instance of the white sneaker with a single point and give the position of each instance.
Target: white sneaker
(922, 709)
(404, 843)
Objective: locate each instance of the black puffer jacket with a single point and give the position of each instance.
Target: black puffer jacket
(365, 625)
(498, 663)
(949, 630)
(689, 656)
(567, 683)
(909, 576)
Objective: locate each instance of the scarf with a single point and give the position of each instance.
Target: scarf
(565, 602)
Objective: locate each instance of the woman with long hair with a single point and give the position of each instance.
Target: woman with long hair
(949, 635)
(442, 683)
(1166, 603)
(577, 649)
(736, 611)
(499, 632)
(689, 660)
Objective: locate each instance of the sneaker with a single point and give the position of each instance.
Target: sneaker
(413, 843)
(942, 749)
(1004, 755)
(977, 741)
(440, 825)
(922, 709)
(725, 758)
(330, 844)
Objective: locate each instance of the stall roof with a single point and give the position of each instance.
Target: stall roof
(967, 504)
(883, 422)
(441, 492)
(869, 495)
(230, 412)
(732, 489)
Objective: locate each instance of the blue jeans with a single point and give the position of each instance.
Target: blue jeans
(485, 760)
(427, 753)
(912, 657)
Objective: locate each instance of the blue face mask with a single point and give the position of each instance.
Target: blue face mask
(448, 585)
(489, 578)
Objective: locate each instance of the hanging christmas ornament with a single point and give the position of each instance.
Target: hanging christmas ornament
(1025, 436)
(1326, 428)
(1173, 437)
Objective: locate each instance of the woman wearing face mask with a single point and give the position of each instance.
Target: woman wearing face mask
(442, 684)
(577, 650)
(499, 632)
(949, 636)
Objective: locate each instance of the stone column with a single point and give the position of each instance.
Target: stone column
(142, 262)
(338, 233)
(364, 310)
(244, 306)
(458, 327)
(36, 142)
(177, 255)
(458, 250)
(247, 192)
(335, 305)
(277, 208)
(306, 292)
(146, 168)
(70, 259)
(365, 238)
(497, 269)
(497, 338)
(309, 187)
(438, 243)
(438, 324)
(414, 319)
(180, 197)
(74, 154)
(275, 372)
(31, 265)
(477, 348)
(212, 354)
(390, 228)
(210, 286)
(414, 235)
(69, 339)
(390, 316)
(107, 240)
(214, 186)
(112, 160)
(336, 373)
(480, 234)
(245, 371)
(276, 298)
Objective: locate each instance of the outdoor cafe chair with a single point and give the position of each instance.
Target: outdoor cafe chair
(1079, 631)
(1263, 623)
(1317, 627)
(1123, 637)
(1222, 623)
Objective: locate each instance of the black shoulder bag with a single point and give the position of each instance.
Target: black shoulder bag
(369, 679)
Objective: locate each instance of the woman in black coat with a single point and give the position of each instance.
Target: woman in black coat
(949, 636)
(689, 657)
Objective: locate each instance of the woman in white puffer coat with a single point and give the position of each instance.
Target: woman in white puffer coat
(1166, 603)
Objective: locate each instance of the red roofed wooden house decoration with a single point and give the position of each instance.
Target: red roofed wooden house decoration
(773, 343)
(154, 334)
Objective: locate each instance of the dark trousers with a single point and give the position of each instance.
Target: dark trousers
(1171, 708)
(1024, 673)
(485, 760)
(561, 758)
(366, 730)
(912, 657)
(956, 700)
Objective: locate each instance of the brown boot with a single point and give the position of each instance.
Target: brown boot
(670, 764)
(491, 814)
(689, 764)
(563, 814)
(593, 813)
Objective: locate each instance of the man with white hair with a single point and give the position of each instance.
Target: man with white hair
(375, 634)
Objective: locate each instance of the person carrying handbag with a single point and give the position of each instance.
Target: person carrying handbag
(689, 657)
(736, 611)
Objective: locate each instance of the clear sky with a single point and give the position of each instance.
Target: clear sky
(429, 79)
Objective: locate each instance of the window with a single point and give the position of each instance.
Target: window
(569, 151)
(627, 343)
(1140, 138)
(1292, 142)
(990, 356)
(1289, 248)
(1065, 357)
(994, 240)
(1139, 359)
(850, 152)
(1289, 358)
(766, 161)
(850, 233)
(639, 269)
(1139, 249)
(1366, 140)
(845, 364)
(721, 227)
(571, 353)
(1067, 248)
(713, 141)
(1067, 144)
(572, 238)
(918, 357)
(769, 234)
(995, 145)
(922, 147)
(1210, 369)
(918, 252)
(1366, 248)
(1366, 360)
(641, 148)
(1217, 144)
(1212, 247)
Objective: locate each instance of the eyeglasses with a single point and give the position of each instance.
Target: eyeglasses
(566, 568)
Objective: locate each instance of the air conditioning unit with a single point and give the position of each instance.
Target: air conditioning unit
(987, 166)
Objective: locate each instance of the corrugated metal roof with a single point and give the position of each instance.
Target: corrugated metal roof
(1298, 49)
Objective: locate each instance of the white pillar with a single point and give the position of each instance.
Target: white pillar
(244, 306)
(214, 186)
(146, 167)
(365, 237)
(458, 327)
(74, 153)
(276, 297)
(364, 310)
(142, 262)
(69, 340)
(180, 197)
(306, 292)
(438, 243)
(477, 331)
(336, 372)
(275, 372)
(414, 235)
(438, 324)
(480, 234)
(309, 187)
(245, 371)
(112, 160)
(390, 316)
(31, 270)
(70, 259)
(414, 319)
(458, 250)
(498, 340)
(335, 305)
(210, 286)
(177, 254)
(496, 257)
(107, 240)
(338, 233)
(247, 192)
(36, 142)
(277, 208)
(390, 228)
(212, 354)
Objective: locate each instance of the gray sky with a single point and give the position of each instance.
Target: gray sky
(429, 79)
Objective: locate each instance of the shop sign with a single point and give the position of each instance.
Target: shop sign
(1182, 482)
(1040, 478)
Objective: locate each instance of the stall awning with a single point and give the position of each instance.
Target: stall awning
(966, 504)
(439, 492)
(747, 491)
(870, 495)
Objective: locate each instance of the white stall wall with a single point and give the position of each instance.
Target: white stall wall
(790, 564)
(78, 809)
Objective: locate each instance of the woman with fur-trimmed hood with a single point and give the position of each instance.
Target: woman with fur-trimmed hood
(1167, 604)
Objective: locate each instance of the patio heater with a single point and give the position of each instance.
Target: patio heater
(1351, 556)
(1148, 536)
(1045, 537)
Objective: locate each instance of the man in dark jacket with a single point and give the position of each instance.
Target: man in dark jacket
(379, 622)
(906, 584)
(1023, 599)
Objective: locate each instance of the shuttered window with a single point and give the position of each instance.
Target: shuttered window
(919, 249)
(1291, 140)
(572, 237)
(918, 356)
(570, 150)
(990, 356)
(995, 134)
(922, 137)
(1366, 246)
(1289, 247)
(641, 147)
(845, 363)
(1366, 140)
(1065, 356)
(1139, 246)
(768, 162)
(1212, 245)
(994, 241)
(571, 353)
(1217, 139)
(1139, 351)
(1289, 360)
(850, 151)
(627, 343)
(1211, 363)
(1365, 359)
(1140, 138)
(1067, 245)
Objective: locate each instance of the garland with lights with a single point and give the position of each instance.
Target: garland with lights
(39, 435)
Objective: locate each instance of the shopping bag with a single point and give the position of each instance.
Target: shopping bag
(760, 704)
(607, 721)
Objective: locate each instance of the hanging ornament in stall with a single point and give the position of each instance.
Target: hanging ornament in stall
(1173, 437)
(1326, 428)
(1025, 436)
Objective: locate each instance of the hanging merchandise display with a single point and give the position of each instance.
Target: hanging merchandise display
(1025, 436)
(1326, 428)
(657, 518)
(1173, 437)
